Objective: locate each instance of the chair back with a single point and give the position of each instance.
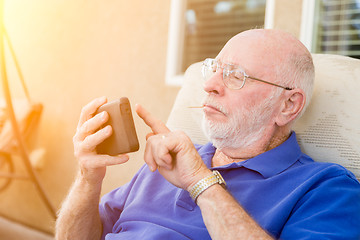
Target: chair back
(329, 130)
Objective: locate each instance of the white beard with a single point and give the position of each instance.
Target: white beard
(243, 128)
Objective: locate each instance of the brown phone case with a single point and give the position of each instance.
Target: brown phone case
(123, 138)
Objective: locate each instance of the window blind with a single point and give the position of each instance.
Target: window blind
(211, 23)
(339, 27)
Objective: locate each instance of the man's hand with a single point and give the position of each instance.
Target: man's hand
(79, 216)
(87, 137)
(172, 153)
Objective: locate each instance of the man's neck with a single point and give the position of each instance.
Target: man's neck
(226, 156)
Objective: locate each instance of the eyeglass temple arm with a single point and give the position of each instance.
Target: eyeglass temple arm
(274, 84)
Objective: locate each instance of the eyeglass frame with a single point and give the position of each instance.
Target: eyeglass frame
(237, 67)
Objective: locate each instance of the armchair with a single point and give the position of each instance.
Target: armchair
(329, 130)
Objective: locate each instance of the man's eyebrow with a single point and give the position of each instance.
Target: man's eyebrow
(243, 68)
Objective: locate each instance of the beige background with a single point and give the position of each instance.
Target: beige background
(72, 51)
(287, 15)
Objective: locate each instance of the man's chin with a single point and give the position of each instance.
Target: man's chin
(217, 141)
(216, 120)
(218, 144)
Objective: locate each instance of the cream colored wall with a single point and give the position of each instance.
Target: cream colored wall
(287, 15)
(72, 51)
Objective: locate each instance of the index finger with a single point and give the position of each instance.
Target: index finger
(89, 109)
(155, 124)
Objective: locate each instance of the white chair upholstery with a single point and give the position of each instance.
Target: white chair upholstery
(329, 131)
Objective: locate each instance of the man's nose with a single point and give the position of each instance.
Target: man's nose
(215, 84)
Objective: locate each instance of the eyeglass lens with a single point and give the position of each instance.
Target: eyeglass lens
(233, 78)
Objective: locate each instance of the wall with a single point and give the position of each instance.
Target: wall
(287, 15)
(70, 52)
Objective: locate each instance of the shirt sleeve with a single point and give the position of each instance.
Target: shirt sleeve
(329, 210)
(112, 204)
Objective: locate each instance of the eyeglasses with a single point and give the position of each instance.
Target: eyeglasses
(234, 76)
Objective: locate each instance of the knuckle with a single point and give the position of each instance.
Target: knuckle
(149, 135)
(85, 109)
(85, 146)
(85, 128)
(180, 134)
(74, 139)
(77, 153)
(107, 130)
(82, 147)
(151, 139)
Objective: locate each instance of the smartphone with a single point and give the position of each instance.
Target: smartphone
(123, 138)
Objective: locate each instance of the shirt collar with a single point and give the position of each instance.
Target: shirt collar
(206, 152)
(268, 163)
(277, 159)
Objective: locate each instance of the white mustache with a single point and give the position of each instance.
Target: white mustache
(212, 103)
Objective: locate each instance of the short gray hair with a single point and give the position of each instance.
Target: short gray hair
(298, 72)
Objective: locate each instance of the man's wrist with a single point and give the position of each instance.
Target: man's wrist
(205, 183)
(197, 177)
(86, 185)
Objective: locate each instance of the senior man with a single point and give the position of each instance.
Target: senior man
(250, 182)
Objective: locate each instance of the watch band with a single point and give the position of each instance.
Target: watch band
(205, 183)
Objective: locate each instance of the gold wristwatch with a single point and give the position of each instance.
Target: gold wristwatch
(205, 183)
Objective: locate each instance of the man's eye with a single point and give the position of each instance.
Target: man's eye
(237, 75)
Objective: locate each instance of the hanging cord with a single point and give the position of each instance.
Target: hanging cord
(21, 76)
(15, 127)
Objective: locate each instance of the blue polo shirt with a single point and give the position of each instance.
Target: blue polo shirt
(286, 192)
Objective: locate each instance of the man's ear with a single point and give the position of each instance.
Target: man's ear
(292, 105)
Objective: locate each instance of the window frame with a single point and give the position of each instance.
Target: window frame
(176, 36)
(307, 24)
(308, 29)
(173, 74)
